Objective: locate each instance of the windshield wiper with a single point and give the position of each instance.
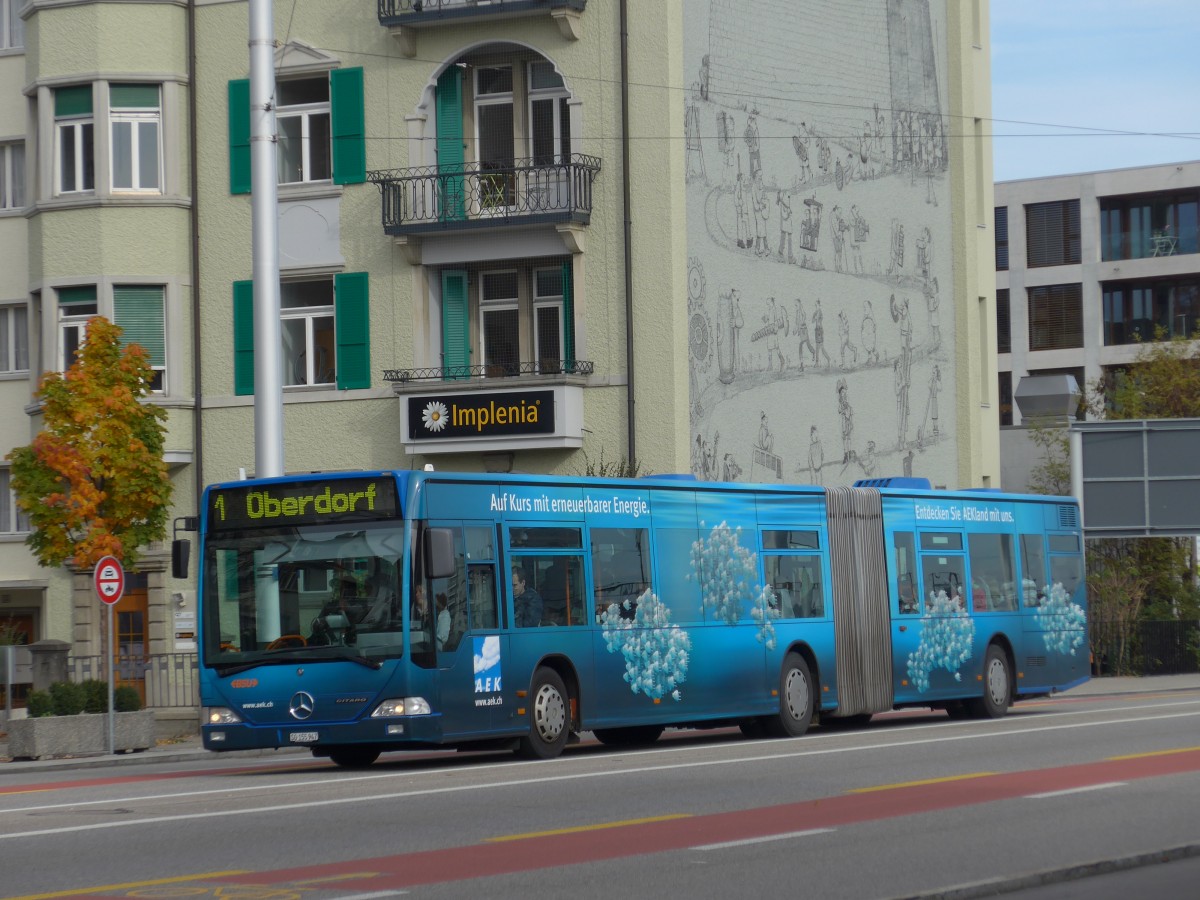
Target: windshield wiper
(290, 655)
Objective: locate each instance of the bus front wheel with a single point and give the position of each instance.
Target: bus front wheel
(997, 686)
(796, 695)
(550, 721)
(353, 757)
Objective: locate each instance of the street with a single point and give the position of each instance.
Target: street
(911, 805)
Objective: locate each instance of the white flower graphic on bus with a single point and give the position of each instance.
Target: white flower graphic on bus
(726, 570)
(947, 633)
(436, 416)
(655, 651)
(1062, 622)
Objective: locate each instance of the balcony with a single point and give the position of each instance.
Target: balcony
(404, 18)
(432, 200)
(489, 373)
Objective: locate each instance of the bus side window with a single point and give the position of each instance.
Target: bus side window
(904, 547)
(946, 577)
(812, 592)
(1033, 569)
(481, 587)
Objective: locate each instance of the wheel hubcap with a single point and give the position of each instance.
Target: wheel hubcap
(998, 683)
(796, 694)
(550, 713)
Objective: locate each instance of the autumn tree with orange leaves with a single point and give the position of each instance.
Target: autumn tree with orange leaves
(94, 481)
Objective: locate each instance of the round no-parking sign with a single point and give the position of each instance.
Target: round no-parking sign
(109, 579)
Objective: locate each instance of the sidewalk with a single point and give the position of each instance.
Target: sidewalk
(191, 748)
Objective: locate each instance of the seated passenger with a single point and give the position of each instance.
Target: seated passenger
(527, 603)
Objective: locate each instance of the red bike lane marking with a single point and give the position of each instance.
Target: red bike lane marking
(595, 845)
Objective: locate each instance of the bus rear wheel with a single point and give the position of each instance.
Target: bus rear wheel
(633, 736)
(353, 757)
(550, 721)
(795, 699)
(997, 687)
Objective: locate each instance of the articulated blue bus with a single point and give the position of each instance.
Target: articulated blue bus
(357, 613)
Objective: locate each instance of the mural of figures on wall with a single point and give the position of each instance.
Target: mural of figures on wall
(832, 200)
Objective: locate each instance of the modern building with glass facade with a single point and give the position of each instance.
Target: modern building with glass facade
(1088, 268)
(750, 241)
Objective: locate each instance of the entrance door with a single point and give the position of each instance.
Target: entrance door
(129, 619)
(16, 629)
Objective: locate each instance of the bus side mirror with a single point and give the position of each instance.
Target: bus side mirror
(439, 552)
(181, 551)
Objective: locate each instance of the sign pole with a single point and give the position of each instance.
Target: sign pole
(112, 667)
(109, 581)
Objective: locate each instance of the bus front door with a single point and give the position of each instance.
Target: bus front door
(471, 643)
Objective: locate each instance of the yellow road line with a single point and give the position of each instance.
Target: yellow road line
(131, 884)
(1154, 753)
(905, 784)
(579, 828)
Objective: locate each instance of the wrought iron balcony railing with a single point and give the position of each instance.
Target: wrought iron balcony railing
(418, 12)
(512, 370)
(433, 198)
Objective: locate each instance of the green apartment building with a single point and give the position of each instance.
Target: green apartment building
(749, 241)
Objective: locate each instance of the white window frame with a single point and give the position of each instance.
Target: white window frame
(73, 323)
(12, 175)
(556, 95)
(544, 302)
(306, 113)
(12, 519)
(498, 304)
(310, 356)
(14, 338)
(83, 131)
(12, 28)
(134, 118)
(494, 189)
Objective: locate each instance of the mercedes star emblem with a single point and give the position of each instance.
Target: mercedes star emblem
(301, 705)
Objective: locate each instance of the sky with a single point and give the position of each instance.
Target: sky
(1086, 85)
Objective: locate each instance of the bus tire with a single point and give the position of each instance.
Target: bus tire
(633, 736)
(353, 757)
(796, 695)
(997, 686)
(549, 717)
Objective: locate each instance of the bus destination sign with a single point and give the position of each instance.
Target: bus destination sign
(303, 503)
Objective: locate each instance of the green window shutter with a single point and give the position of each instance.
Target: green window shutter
(69, 296)
(243, 338)
(349, 131)
(568, 317)
(450, 144)
(73, 101)
(352, 323)
(138, 310)
(133, 96)
(456, 345)
(239, 136)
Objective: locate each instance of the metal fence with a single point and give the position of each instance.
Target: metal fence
(164, 679)
(1151, 648)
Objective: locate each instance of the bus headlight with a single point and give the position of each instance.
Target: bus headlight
(402, 706)
(220, 715)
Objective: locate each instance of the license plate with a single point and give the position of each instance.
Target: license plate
(302, 737)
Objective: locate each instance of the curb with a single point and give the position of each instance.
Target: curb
(992, 887)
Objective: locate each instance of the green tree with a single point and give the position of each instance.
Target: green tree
(1053, 474)
(94, 481)
(1163, 382)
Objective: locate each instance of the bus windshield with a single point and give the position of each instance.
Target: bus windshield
(308, 592)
